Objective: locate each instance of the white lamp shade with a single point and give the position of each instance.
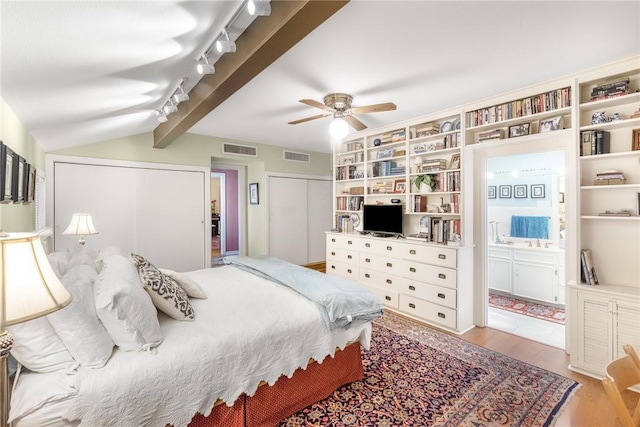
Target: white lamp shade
(28, 286)
(338, 128)
(82, 224)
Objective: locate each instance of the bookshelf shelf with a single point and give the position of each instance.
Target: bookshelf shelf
(611, 155)
(611, 217)
(609, 187)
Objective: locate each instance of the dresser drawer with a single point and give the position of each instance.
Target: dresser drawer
(428, 311)
(429, 274)
(534, 256)
(443, 257)
(342, 255)
(381, 263)
(343, 270)
(384, 247)
(432, 293)
(387, 297)
(379, 278)
(346, 241)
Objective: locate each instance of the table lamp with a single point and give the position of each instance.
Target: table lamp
(29, 288)
(81, 224)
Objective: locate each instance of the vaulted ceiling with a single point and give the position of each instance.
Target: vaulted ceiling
(77, 72)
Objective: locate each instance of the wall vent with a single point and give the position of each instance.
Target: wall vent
(297, 157)
(240, 150)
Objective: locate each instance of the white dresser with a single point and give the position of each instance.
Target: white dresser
(428, 282)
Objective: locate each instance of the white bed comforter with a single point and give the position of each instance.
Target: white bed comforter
(248, 330)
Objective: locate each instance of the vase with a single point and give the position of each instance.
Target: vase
(425, 189)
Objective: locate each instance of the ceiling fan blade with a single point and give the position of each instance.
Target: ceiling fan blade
(319, 116)
(355, 123)
(316, 104)
(375, 108)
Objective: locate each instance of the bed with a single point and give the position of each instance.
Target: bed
(255, 350)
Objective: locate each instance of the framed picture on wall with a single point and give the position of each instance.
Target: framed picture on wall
(505, 191)
(7, 174)
(520, 191)
(31, 192)
(253, 193)
(17, 181)
(537, 191)
(491, 192)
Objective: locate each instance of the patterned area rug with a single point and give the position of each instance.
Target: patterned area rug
(539, 311)
(416, 376)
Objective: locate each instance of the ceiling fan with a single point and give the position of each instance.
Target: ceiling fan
(338, 105)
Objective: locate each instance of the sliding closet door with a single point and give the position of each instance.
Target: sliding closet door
(288, 219)
(320, 218)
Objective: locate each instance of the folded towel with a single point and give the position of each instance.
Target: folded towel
(534, 227)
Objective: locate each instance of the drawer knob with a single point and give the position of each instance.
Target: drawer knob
(367, 275)
(412, 269)
(333, 267)
(389, 265)
(368, 245)
(349, 256)
(367, 260)
(412, 251)
(441, 295)
(412, 288)
(388, 298)
(412, 305)
(333, 240)
(389, 281)
(442, 256)
(333, 253)
(442, 276)
(349, 242)
(349, 270)
(389, 248)
(442, 315)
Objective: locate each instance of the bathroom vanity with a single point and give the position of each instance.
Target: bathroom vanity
(527, 271)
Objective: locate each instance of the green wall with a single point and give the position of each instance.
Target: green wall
(200, 150)
(15, 135)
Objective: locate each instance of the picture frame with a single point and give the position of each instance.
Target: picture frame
(505, 191)
(537, 191)
(635, 141)
(17, 181)
(551, 124)
(254, 197)
(520, 191)
(454, 163)
(518, 130)
(399, 186)
(491, 192)
(7, 174)
(31, 192)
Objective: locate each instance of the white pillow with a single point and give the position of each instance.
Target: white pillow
(33, 391)
(124, 307)
(189, 285)
(78, 325)
(38, 347)
(59, 262)
(164, 291)
(106, 253)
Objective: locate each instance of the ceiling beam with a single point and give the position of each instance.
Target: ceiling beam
(266, 39)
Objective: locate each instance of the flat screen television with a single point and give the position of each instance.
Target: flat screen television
(386, 220)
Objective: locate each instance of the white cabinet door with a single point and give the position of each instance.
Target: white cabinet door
(500, 275)
(627, 326)
(594, 331)
(534, 281)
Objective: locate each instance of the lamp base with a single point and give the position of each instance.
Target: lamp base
(6, 343)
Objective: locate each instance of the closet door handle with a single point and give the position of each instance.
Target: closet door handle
(442, 276)
(441, 295)
(412, 251)
(442, 256)
(412, 288)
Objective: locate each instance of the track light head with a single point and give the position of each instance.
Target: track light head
(259, 8)
(204, 67)
(169, 108)
(180, 96)
(225, 46)
(161, 116)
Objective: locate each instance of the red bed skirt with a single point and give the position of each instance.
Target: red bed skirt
(271, 404)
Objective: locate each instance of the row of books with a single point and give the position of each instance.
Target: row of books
(548, 101)
(610, 90)
(421, 202)
(609, 177)
(393, 136)
(345, 172)
(587, 272)
(452, 140)
(447, 181)
(594, 142)
(349, 203)
(431, 165)
(353, 146)
(425, 129)
(387, 168)
(344, 223)
(490, 135)
(440, 230)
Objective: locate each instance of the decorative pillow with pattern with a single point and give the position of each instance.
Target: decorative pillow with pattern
(165, 292)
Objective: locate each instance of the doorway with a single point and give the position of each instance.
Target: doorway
(227, 228)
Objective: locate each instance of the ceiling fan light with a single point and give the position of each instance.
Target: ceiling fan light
(259, 8)
(338, 128)
(225, 46)
(161, 116)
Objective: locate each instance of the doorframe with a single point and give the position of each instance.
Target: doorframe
(222, 230)
(242, 202)
(479, 153)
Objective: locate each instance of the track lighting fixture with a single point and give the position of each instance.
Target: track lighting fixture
(161, 116)
(225, 46)
(180, 95)
(169, 108)
(259, 8)
(204, 67)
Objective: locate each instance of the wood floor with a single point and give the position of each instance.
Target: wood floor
(589, 406)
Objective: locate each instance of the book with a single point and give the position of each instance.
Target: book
(603, 143)
(588, 271)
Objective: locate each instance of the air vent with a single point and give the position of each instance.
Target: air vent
(240, 150)
(297, 157)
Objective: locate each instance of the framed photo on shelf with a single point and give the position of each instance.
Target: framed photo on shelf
(519, 130)
(537, 191)
(505, 191)
(399, 186)
(253, 194)
(549, 125)
(520, 191)
(635, 141)
(491, 192)
(455, 162)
